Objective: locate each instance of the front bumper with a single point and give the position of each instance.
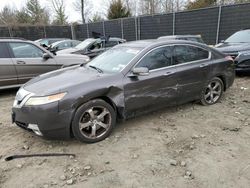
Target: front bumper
(44, 120)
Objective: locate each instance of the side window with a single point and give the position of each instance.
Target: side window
(25, 50)
(64, 45)
(4, 53)
(186, 53)
(159, 58)
(110, 44)
(96, 45)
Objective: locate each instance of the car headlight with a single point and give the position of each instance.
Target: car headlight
(33, 101)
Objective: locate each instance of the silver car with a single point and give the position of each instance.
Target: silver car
(21, 60)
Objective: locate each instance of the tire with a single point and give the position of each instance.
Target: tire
(93, 121)
(212, 92)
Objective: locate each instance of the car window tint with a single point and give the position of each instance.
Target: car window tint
(186, 53)
(4, 53)
(25, 50)
(159, 58)
(110, 44)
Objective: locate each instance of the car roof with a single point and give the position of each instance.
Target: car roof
(142, 44)
(179, 36)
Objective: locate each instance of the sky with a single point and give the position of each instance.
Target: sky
(70, 11)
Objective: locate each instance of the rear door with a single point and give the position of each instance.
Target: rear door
(8, 74)
(192, 70)
(29, 61)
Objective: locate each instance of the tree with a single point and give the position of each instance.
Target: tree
(84, 7)
(96, 18)
(117, 10)
(37, 14)
(7, 16)
(32, 13)
(59, 8)
(200, 4)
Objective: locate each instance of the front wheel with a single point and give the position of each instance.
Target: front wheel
(93, 121)
(212, 93)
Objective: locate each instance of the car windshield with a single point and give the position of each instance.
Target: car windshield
(115, 59)
(85, 43)
(239, 37)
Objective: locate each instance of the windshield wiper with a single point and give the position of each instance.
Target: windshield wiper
(96, 68)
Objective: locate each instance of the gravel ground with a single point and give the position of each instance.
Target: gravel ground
(185, 146)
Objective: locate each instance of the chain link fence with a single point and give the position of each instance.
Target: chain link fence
(213, 24)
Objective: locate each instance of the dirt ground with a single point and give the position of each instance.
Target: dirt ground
(185, 146)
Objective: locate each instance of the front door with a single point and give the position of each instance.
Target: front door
(29, 61)
(155, 90)
(8, 74)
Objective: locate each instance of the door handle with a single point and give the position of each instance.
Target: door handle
(169, 73)
(21, 62)
(203, 65)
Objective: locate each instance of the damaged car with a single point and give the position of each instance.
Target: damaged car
(238, 47)
(130, 79)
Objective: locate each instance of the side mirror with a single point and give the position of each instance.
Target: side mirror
(140, 71)
(46, 56)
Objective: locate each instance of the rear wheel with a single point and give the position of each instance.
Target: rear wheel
(212, 92)
(93, 121)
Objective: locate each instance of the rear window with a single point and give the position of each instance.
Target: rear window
(4, 53)
(186, 53)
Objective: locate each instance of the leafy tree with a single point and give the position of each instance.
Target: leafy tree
(200, 4)
(117, 10)
(33, 13)
(59, 8)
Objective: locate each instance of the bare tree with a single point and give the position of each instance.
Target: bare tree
(7, 16)
(59, 8)
(84, 7)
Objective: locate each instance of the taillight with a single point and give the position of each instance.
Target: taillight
(229, 58)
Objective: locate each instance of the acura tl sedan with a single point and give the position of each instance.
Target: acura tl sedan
(130, 79)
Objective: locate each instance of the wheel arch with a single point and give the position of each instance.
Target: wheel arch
(223, 79)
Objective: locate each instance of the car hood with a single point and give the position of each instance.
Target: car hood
(61, 80)
(233, 47)
(63, 57)
(68, 51)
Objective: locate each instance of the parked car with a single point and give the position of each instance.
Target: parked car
(64, 44)
(93, 47)
(238, 47)
(21, 60)
(125, 81)
(195, 38)
(49, 41)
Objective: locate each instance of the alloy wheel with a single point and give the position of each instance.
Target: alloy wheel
(213, 92)
(95, 122)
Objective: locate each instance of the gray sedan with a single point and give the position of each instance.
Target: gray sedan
(21, 60)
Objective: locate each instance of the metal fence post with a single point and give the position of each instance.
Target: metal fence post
(103, 28)
(139, 28)
(173, 22)
(122, 28)
(10, 32)
(136, 34)
(44, 31)
(218, 25)
(73, 36)
(87, 25)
